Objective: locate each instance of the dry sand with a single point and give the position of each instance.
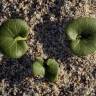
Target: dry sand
(47, 20)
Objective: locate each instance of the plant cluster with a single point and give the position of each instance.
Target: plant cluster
(81, 34)
(13, 36)
(48, 69)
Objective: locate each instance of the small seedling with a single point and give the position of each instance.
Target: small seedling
(52, 70)
(38, 68)
(47, 69)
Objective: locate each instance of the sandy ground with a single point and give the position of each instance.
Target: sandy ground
(47, 20)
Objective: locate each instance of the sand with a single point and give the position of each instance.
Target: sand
(47, 20)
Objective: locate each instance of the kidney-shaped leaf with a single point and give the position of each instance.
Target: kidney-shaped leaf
(52, 69)
(82, 36)
(13, 34)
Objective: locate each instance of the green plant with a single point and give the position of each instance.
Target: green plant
(13, 34)
(47, 69)
(40, 59)
(38, 68)
(52, 70)
(82, 36)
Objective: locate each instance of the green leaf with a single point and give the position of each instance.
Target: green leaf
(52, 70)
(13, 34)
(40, 59)
(38, 69)
(82, 36)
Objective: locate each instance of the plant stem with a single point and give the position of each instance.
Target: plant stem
(20, 38)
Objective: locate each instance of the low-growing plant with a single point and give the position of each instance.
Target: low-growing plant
(52, 70)
(38, 68)
(47, 69)
(82, 36)
(13, 35)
